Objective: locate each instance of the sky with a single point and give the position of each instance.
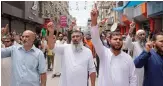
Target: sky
(82, 14)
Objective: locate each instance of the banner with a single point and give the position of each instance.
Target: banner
(63, 21)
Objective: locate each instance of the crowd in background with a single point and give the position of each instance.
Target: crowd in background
(13, 38)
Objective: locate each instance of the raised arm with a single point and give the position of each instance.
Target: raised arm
(52, 40)
(51, 37)
(5, 52)
(95, 34)
(129, 44)
(142, 59)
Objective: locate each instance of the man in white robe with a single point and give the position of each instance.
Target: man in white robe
(116, 67)
(58, 56)
(76, 62)
(136, 47)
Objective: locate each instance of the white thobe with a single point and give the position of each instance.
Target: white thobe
(114, 70)
(75, 65)
(45, 44)
(137, 49)
(57, 59)
(6, 71)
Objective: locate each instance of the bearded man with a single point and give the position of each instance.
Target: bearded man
(76, 62)
(116, 67)
(151, 59)
(136, 47)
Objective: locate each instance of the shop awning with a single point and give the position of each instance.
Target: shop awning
(129, 4)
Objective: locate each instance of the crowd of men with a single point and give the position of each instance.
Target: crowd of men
(76, 57)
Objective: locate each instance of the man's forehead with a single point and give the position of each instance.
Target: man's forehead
(141, 32)
(117, 36)
(159, 38)
(28, 33)
(76, 33)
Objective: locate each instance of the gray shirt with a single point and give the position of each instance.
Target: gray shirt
(26, 65)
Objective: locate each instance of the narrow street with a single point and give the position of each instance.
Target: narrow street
(121, 41)
(55, 81)
(52, 81)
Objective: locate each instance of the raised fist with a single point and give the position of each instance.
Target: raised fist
(50, 27)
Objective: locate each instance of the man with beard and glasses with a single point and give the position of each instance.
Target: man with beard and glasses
(152, 61)
(136, 48)
(28, 62)
(76, 62)
(116, 67)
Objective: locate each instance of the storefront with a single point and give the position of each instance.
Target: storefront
(140, 17)
(155, 14)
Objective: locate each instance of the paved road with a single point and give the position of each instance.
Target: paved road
(5, 66)
(54, 81)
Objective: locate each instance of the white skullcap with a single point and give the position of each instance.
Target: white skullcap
(139, 31)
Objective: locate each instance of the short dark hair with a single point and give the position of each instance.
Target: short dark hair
(154, 38)
(115, 33)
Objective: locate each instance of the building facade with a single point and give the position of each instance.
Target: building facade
(53, 10)
(20, 16)
(23, 15)
(148, 16)
(106, 15)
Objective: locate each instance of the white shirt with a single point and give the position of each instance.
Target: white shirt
(75, 65)
(61, 42)
(137, 49)
(45, 44)
(57, 59)
(134, 46)
(114, 70)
